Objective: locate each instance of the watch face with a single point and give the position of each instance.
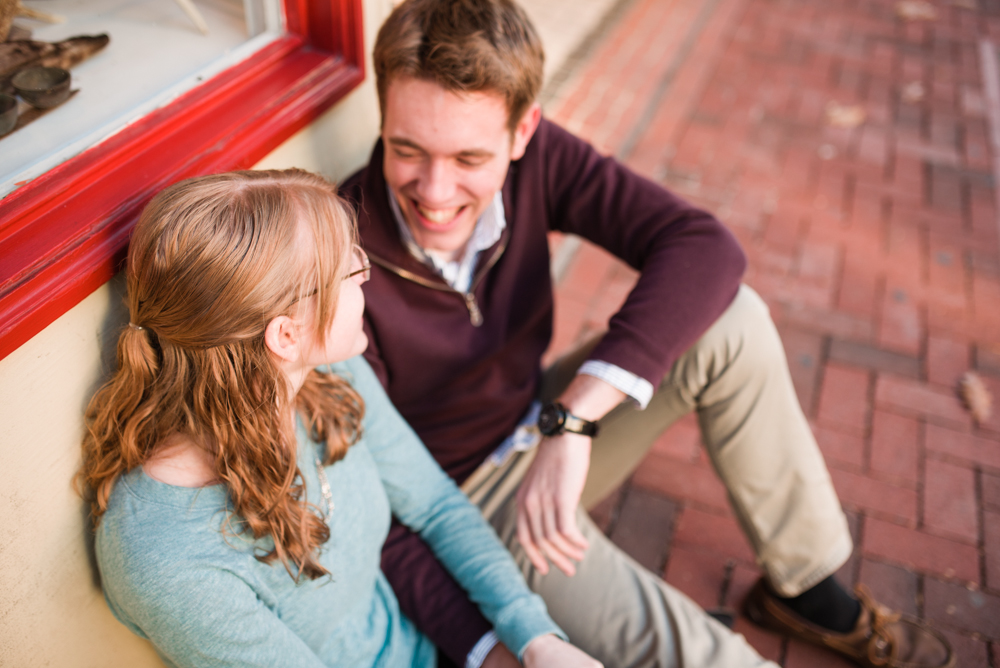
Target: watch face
(549, 420)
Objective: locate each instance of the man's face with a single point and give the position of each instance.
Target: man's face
(446, 156)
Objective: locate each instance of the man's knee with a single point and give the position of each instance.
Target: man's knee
(743, 334)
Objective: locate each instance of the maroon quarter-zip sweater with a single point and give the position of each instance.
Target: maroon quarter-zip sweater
(462, 369)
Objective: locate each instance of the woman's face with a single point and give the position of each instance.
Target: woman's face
(345, 337)
(293, 338)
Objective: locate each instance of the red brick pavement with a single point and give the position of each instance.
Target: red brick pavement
(876, 248)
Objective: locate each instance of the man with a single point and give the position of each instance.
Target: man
(454, 208)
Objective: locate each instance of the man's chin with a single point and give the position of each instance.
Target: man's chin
(449, 241)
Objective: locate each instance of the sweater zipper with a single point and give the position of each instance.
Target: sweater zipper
(475, 313)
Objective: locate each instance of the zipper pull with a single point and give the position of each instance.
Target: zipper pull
(475, 315)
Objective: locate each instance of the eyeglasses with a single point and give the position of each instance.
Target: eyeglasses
(359, 258)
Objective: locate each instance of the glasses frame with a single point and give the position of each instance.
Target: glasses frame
(366, 264)
(366, 270)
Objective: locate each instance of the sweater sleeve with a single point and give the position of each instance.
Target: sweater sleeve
(427, 593)
(166, 603)
(690, 265)
(428, 502)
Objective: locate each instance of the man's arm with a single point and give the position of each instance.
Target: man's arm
(690, 267)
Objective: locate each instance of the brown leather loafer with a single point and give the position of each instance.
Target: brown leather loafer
(880, 639)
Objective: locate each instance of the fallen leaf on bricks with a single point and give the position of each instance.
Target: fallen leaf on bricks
(913, 92)
(844, 115)
(915, 10)
(976, 397)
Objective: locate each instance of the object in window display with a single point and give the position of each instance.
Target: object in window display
(42, 87)
(29, 13)
(18, 32)
(8, 113)
(41, 71)
(13, 8)
(194, 15)
(8, 10)
(15, 56)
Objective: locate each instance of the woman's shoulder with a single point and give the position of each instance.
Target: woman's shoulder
(154, 527)
(179, 461)
(159, 544)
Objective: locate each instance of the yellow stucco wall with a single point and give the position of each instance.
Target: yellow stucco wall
(52, 612)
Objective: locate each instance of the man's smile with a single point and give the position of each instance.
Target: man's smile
(438, 219)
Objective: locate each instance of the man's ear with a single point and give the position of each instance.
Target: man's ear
(281, 336)
(525, 130)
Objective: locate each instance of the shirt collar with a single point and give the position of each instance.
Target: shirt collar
(487, 232)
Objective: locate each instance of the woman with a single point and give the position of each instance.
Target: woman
(241, 494)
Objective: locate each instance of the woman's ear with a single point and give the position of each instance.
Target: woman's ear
(281, 336)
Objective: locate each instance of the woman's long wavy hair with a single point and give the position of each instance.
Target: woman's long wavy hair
(212, 260)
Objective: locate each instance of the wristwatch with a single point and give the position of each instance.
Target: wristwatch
(554, 419)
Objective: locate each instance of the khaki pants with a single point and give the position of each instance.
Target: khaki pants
(736, 378)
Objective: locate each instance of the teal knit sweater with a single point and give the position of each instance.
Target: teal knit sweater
(173, 575)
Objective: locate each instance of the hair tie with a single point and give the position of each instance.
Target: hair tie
(135, 326)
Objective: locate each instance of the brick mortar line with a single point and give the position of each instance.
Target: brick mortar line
(563, 258)
(690, 39)
(990, 70)
(577, 59)
(984, 583)
(581, 53)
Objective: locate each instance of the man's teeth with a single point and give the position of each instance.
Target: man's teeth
(438, 216)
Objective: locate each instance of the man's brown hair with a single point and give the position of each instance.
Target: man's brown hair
(464, 46)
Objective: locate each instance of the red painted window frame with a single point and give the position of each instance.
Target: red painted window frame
(64, 234)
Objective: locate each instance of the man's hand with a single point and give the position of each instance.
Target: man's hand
(551, 489)
(547, 501)
(546, 651)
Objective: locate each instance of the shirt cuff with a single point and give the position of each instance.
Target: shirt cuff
(478, 653)
(638, 389)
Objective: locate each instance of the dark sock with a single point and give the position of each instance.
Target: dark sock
(828, 605)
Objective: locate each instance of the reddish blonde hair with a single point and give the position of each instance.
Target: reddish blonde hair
(212, 260)
(464, 46)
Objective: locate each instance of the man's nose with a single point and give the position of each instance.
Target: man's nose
(437, 185)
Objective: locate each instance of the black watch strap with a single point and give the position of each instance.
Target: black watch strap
(554, 419)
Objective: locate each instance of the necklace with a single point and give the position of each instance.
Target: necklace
(324, 484)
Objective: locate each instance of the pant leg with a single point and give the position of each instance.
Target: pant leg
(736, 378)
(613, 608)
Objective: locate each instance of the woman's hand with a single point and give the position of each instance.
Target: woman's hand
(548, 650)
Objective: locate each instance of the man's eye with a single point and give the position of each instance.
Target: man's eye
(471, 162)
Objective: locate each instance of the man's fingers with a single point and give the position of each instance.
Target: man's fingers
(552, 544)
(533, 530)
(558, 539)
(528, 541)
(561, 561)
(569, 529)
